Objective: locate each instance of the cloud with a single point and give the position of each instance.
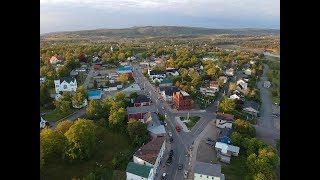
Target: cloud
(57, 13)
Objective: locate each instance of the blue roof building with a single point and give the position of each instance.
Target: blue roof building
(125, 69)
(94, 95)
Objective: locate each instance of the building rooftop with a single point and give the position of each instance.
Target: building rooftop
(171, 90)
(165, 81)
(156, 72)
(94, 93)
(138, 169)
(207, 169)
(126, 68)
(251, 104)
(225, 116)
(225, 132)
(151, 119)
(141, 98)
(184, 93)
(141, 109)
(67, 79)
(150, 151)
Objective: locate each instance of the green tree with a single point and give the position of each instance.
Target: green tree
(237, 139)
(63, 126)
(95, 84)
(232, 86)
(226, 105)
(157, 83)
(123, 78)
(79, 97)
(81, 138)
(196, 82)
(62, 106)
(117, 119)
(138, 132)
(121, 56)
(93, 110)
(90, 176)
(63, 71)
(66, 96)
(255, 145)
(221, 83)
(44, 95)
(244, 128)
(52, 145)
(120, 96)
(133, 95)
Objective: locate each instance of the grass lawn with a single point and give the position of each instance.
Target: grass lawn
(236, 170)
(52, 91)
(112, 143)
(192, 122)
(54, 116)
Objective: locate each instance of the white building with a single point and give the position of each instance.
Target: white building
(243, 85)
(208, 91)
(156, 74)
(136, 171)
(42, 122)
(206, 171)
(85, 103)
(225, 151)
(229, 72)
(172, 72)
(65, 84)
(247, 72)
(224, 120)
(151, 153)
(234, 96)
(168, 93)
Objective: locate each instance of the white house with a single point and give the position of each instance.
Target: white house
(156, 74)
(234, 96)
(251, 107)
(168, 93)
(224, 120)
(42, 122)
(247, 72)
(225, 151)
(209, 59)
(208, 91)
(172, 72)
(151, 153)
(243, 85)
(136, 171)
(205, 171)
(229, 72)
(66, 84)
(57, 96)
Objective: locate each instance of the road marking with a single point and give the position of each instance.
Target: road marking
(177, 169)
(199, 127)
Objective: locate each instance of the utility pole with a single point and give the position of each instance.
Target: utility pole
(188, 116)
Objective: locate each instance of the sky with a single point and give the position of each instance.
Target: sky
(70, 15)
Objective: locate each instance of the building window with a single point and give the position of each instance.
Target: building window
(65, 86)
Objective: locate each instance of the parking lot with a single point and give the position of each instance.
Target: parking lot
(206, 153)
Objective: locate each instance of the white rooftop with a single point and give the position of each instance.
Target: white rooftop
(184, 93)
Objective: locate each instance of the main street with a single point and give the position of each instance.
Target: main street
(182, 140)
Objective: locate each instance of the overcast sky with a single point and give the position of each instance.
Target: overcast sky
(69, 15)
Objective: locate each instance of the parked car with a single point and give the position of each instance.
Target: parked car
(169, 161)
(170, 134)
(164, 176)
(171, 139)
(211, 143)
(171, 153)
(209, 139)
(165, 124)
(185, 174)
(178, 128)
(180, 166)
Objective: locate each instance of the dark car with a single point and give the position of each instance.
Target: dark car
(171, 153)
(211, 143)
(169, 161)
(180, 166)
(209, 139)
(171, 139)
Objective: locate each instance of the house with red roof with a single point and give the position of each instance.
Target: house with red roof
(55, 60)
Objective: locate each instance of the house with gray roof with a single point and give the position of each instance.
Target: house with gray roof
(204, 171)
(251, 107)
(65, 84)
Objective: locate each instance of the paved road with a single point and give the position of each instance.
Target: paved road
(265, 127)
(182, 140)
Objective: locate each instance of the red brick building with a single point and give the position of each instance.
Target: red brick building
(182, 100)
(141, 100)
(139, 112)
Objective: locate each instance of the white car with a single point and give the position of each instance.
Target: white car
(170, 134)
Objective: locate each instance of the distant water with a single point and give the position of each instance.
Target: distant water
(270, 54)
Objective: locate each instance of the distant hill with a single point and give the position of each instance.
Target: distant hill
(152, 31)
